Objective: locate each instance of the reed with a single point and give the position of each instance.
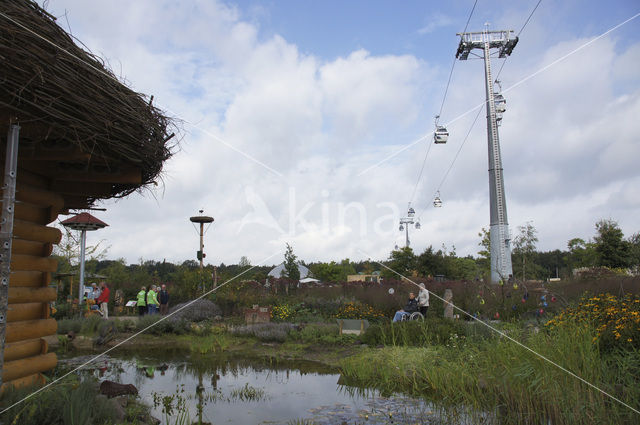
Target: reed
(497, 381)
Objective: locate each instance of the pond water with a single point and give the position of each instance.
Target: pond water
(253, 391)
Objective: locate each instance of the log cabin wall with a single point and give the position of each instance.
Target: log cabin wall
(28, 317)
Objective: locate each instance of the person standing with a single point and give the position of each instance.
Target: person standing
(152, 300)
(164, 300)
(103, 300)
(142, 301)
(423, 300)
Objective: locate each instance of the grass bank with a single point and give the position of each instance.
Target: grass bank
(492, 379)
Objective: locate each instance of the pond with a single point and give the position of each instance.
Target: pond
(252, 391)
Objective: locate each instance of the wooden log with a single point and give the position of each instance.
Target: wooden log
(26, 311)
(29, 279)
(37, 196)
(35, 232)
(30, 178)
(82, 188)
(24, 367)
(25, 247)
(48, 155)
(34, 263)
(24, 349)
(37, 379)
(129, 176)
(31, 295)
(29, 212)
(29, 329)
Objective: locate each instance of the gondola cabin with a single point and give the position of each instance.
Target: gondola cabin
(437, 202)
(441, 135)
(500, 103)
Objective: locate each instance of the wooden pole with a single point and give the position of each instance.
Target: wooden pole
(6, 231)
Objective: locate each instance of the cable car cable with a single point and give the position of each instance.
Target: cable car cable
(518, 35)
(480, 109)
(446, 90)
(444, 98)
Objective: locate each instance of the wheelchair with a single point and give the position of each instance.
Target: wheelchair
(416, 315)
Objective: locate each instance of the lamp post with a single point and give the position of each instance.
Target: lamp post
(202, 219)
(83, 222)
(406, 221)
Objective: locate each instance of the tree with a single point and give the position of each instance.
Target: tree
(612, 249)
(484, 255)
(431, 263)
(291, 270)
(327, 272)
(525, 244)
(581, 254)
(244, 262)
(402, 261)
(634, 249)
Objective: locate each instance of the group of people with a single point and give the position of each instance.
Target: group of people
(153, 300)
(421, 304)
(98, 298)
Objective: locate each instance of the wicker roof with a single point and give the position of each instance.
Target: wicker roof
(91, 135)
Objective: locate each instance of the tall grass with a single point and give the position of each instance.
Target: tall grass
(505, 383)
(69, 403)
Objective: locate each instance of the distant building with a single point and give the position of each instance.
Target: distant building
(361, 277)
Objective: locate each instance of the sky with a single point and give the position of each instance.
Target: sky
(307, 123)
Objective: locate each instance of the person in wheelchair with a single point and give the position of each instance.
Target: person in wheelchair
(409, 308)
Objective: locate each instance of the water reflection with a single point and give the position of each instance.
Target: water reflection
(225, 389)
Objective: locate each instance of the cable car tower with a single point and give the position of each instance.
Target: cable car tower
(504, 42)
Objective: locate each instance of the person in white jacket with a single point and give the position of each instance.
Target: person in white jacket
(423, 300)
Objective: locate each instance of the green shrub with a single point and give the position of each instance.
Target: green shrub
(67, 325)
(67, 403)
(157, 327)
(63, 311)
(91, 324)
(267, 332)
(125, 325)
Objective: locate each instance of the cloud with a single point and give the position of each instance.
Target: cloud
(569, 139)
(436, 22)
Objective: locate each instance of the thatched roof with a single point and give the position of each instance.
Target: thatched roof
(93, 136)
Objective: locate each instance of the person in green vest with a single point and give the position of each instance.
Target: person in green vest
(152, 300)
(142, 301)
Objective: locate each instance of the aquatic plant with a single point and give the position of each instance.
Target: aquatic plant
(499, 378)
(174, 406)
(416, 333)
(68, 403)
(247, 393)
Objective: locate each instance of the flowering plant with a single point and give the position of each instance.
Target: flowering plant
(616, 320)
(355, 310)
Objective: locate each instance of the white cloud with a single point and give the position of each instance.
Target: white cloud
(435, 22)
(570, 139)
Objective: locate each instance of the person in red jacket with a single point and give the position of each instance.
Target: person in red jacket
(103, 300)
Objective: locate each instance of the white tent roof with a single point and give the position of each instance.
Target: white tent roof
(309, 280)
(277, 271)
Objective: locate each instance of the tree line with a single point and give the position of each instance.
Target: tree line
(607, 249)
